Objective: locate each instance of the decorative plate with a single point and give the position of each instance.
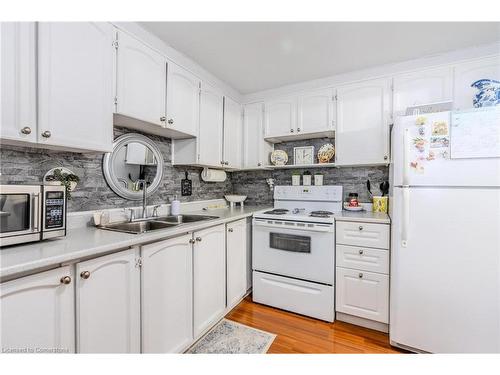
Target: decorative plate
(489, 93)
(326, 153)
(279, 157)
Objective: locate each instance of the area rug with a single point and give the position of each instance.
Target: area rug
(229, 337)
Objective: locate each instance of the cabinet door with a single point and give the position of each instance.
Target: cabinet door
(75, 85)
(467, 74)
(167, 295)
(363, 294)
(255, 149)
(316, 112)
(236, 256)
(233, 130)
(423, 87)
(210, 138)
(209, 275)
(362, 135)
(183, 100)
(108, 304)
(141, 81)
(18, 81)
(280, 117)
(37, 312)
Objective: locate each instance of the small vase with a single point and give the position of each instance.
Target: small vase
(295, 180)
(306, 180)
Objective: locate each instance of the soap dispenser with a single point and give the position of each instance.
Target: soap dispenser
(175, 207)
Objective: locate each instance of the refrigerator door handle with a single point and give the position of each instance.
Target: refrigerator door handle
(406, 216)
(405, 157)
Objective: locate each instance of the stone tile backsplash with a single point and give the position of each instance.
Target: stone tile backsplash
(28, 165)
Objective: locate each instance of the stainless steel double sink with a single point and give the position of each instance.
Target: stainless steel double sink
(154, 223)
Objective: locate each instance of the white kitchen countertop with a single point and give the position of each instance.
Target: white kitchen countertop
(85, 242)
(364, 216)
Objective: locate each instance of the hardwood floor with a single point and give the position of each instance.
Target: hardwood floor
(300, 334)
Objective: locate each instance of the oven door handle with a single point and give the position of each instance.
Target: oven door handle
(35, 216)
(306, 227)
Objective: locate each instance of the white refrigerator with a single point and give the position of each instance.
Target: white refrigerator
(445, 210)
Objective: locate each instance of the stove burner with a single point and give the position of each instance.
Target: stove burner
(277, 211)
(321, 214)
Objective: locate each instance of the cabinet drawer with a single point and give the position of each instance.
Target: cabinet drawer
(362, 258)
(362, 294)
(363, 234)
(302, 297)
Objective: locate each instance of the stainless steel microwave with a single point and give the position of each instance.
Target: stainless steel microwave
(31, 213)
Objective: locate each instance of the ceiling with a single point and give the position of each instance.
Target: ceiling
(255, 56)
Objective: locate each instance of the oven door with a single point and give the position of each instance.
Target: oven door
(19, 214)
(300, 250)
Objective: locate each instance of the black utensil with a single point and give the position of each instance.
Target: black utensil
(369, 187)
(186, 185)
(384, 187)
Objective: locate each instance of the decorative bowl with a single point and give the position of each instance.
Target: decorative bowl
(235, 198)
(279, 157)
(326, 153)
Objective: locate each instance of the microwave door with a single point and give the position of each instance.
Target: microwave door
(19, 211)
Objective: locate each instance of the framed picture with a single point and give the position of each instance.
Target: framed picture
(303, 155)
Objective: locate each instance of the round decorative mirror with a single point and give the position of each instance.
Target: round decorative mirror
(135, 158)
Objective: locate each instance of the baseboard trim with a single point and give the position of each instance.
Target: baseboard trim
(367, 323)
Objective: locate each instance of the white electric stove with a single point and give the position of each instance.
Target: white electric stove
(294, 250)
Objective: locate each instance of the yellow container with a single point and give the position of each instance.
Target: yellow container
(380, 204)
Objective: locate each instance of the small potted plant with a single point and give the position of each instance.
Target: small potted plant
(295, 178)
(306, 178)
(68, 180)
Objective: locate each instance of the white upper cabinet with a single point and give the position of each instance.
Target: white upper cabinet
(183, 102)
(211, 121)
(75, 85)
(167, 295)
(466, 74)
(38, 312)
(363, 113)
(422, 87)
(255, 149)
(108, 304)
(209, 275)
(233, 132)
(316, 112)
(18, 81)
(280, 117)
(141, 81)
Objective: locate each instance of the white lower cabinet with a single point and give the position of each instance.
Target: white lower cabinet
(209, 277)
(37, 313)
(362, 294)
(167, 295)
(108, 304)
(237, 262)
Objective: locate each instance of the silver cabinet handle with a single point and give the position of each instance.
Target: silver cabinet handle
(46, 134)
(85, 275)
(226, 163)
(192, 241)
(26, 130)
(230, 230)
(298, 129)
(198, 239)
(259, 164)
(170, 121)
(386, 157)
(360, 275)
(291, 130)
(65, 280)
(360, 252)
(163, 119)
(360, 227)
